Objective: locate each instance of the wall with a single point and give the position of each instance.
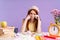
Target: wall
(13, 11)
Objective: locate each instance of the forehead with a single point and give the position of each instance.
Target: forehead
(32, 11)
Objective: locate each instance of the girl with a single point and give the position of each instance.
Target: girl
(32, 22)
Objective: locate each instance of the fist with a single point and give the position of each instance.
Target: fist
(36, 16)
(28, 17)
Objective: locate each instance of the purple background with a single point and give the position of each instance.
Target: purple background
(13, 11)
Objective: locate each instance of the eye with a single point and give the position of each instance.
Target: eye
(30, 13)
(33, 13)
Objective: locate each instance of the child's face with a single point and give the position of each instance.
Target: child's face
(32, 14)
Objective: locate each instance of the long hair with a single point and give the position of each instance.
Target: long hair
(33, 10)
(35, 20)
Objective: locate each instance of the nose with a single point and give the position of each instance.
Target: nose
(33, 15)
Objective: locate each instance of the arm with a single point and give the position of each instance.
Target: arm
(39, 25)
(24, 24)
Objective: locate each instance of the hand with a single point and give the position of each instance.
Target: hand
(37, 16)
(28, 17)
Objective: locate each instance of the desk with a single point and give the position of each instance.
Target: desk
(21, 36)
